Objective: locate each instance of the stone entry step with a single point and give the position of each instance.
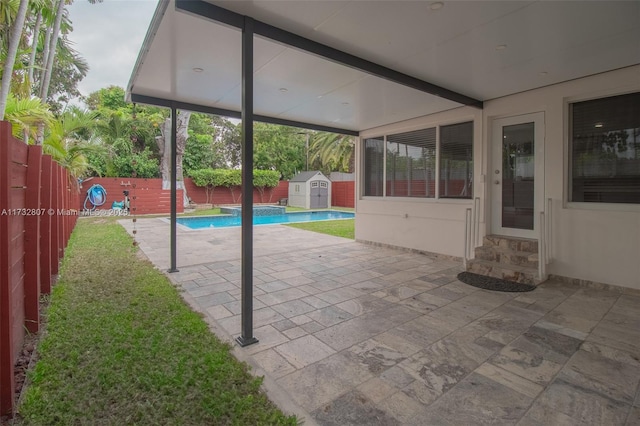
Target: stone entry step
(508, 258)
(511, 243)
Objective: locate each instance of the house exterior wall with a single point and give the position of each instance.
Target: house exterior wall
(595, 242)
(591, 241)
(434, 225)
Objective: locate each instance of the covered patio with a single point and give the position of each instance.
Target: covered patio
(365, 68)
(352, 333)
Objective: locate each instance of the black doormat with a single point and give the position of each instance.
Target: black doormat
(491, 283)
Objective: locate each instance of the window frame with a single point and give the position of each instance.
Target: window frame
(568, 161)
(382, 135)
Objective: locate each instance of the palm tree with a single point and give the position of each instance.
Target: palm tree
(15, 36)
(53, 44)
(67, 142)
(25, 115)
(332, 152)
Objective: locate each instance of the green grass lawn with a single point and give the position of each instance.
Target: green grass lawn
(121, 347)
(339, 228)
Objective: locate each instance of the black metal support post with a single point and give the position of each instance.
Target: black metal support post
(247, 338)
(174, 167)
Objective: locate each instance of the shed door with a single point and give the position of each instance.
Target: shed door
(319, 195)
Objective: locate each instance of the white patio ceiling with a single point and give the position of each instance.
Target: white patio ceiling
(479, 49)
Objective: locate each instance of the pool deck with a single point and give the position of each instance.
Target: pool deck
(353, 334)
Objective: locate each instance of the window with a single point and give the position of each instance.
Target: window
(410, 164)
(373, 166)
(456, 160)
(323, 185)
(605, 150)
(404, 164)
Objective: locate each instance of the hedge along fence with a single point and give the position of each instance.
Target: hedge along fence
(38, 200)
(264, 181)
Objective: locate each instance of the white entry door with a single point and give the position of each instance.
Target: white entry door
(517, 175)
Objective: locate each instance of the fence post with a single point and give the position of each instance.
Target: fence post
(32, 242)
(55, 191)
(7, 384)
(61, 227)
(65, 205)
(45, 226)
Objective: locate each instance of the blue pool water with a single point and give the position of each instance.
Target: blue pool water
(225, 221)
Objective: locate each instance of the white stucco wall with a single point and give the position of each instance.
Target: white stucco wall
(591, 241)
(434, 225)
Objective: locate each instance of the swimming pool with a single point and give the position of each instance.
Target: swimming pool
(225, 221)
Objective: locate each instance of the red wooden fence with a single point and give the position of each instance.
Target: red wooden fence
(343, 194)
(145, 195)
(148, 197)
(38, 200)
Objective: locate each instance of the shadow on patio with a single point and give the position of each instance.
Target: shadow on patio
(356, 334)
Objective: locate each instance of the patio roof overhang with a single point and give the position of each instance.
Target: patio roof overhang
(350, 65)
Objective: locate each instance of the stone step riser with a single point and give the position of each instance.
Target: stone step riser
(528, 260)
(514, 244)
(503, 272)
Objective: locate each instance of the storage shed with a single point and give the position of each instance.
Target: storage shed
(310, 190)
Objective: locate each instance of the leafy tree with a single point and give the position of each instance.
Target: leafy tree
(144, 164)
(227, 142)
(209, 179)
(214, 142)
(68, 70)
(109, 98)
(278, 148)
(232, 179)
(199, 153)
(263, 179)
(129, 138)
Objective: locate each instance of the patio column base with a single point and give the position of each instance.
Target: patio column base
(246, 342)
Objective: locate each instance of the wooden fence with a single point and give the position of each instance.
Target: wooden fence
(38, 210)
(343, 194)
(148, 197)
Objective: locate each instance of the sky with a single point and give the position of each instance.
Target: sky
(109, 36)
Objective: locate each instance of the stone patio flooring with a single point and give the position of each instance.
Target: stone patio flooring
(352, 334)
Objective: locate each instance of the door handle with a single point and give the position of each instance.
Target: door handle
(497, 182)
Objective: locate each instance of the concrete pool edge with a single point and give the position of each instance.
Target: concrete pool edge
(208, 221)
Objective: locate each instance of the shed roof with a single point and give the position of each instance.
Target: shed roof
(305, 176)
